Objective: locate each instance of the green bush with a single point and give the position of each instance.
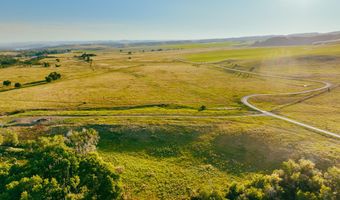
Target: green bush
(294, 181)
(52, 170)
(17, 85)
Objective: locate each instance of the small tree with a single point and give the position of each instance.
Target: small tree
(202, 108)
(17, 85)
(7, 83)
(56, 65)
(48, 79)
(58, 60)
(45, 64)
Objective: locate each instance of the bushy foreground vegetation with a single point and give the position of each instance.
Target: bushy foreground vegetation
(293, 181)
(59, 168)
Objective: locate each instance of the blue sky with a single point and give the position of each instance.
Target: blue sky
(70, 20)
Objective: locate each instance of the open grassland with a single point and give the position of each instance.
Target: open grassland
(114, 81)
(145, 106)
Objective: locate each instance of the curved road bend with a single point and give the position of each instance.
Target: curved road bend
(245, 100)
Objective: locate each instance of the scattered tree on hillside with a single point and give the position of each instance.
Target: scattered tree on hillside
(56, 65)
(46, 64)
(7, 83)
(202, 108)
(17, 85)
(58, 60)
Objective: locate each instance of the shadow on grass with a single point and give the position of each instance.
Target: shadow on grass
(156, 141)
(233, 153)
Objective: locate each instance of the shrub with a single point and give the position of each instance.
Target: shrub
(7, 83)
(17, 85)
(202, 108)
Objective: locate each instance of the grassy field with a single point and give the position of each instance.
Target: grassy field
(146, 107)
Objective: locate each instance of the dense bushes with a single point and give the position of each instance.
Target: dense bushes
(54, 170)
(294, 181)
(6, 61)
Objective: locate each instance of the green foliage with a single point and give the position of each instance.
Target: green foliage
(8, 138)
(17, 85)
(43, 53)
(86, 57)
(7, 83)
(84, 141)
(208, 195)
(202, 108)
(294, 181)
(6, 61)
(52, 77)
(55, 171)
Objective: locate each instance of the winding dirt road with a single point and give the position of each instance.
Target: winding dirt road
(245, 100)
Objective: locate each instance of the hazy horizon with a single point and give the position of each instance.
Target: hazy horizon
(104, 20)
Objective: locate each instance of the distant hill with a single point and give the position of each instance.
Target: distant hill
(300, 39)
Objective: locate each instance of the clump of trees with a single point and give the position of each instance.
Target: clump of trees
(295, 180)
(52, 77)
(52, 169)
(87, 57)
(7, 83)
(6, 61)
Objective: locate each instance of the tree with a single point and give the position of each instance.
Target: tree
(17, 85)
(58, 60)
(46, 64)
(48, 79)
(53, 170)
(7, 83)
(56, 65)
(299, 180)
(84, 141)
(52, 77)
(202, 108)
